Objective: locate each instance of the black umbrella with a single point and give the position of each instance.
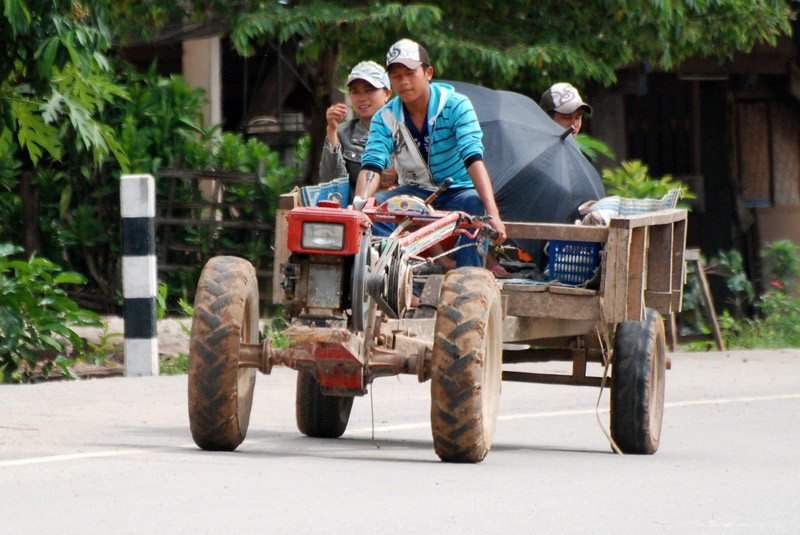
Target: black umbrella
(538, 172)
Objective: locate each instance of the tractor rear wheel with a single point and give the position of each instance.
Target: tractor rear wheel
(318, 415)
(225, 316)
(637, 384)
(467, 366)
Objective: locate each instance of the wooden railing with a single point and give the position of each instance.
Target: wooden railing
(197, 207)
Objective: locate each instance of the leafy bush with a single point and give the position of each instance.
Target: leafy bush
(776, 319)
(34, 311)
(593, 148)
(632, 179)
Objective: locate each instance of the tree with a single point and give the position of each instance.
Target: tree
(522, 45)
(54, 80)
(54, 69)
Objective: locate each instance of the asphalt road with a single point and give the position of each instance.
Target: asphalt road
(115, 456)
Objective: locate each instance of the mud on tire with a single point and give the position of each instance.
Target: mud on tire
(466, 367)
(225, 315)
(637, 384)
(319, 415)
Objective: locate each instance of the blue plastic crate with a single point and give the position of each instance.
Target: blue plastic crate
(573, 262)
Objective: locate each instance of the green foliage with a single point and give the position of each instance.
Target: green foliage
(162, 123)
(593, 148)
(273, 329)
(161, 300)
(99, 353)
(54, 79)
(776, 322)
(781, 259)
(35, 313)
(177, 365)
(730, 265)
(231, 152)
(632, 179)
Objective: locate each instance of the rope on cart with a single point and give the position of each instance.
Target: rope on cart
(602, 338)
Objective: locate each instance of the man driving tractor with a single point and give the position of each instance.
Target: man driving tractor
(433, 134)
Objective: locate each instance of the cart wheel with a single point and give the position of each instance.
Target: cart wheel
(225, 315)
(637, 384)
(319, 415)
(467, 366)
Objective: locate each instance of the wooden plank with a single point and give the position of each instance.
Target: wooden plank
(551, 378)
(678, 264)
(570, 290)
(549, 305)
(754, 159)
(785, 153)
(615, 278)
(281, 253)
(287, 201)
(659, 259)
(528, 329)
(199, 205)
(195, 174)
(555, 231)
(183, 221)
(661, 217)
(709, 303)
(660, 301)
(636, 274)
(691, 254)
(506, 287)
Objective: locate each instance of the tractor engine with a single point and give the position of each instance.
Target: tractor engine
(324, 241)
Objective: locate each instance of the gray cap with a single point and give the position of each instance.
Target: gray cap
(563, 98)
(371, 72)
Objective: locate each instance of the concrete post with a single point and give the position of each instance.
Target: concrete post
(139, 286)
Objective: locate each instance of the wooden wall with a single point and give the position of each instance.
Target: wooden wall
(768, 148)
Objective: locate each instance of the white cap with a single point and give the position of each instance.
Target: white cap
(371, 72)
(563, 98)
(409, 53)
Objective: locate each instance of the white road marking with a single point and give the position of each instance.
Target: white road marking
(400, 427)
(576, 412)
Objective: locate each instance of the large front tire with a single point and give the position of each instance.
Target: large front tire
(637, 384)
(318, 415)
(225, 316)
(466, 371)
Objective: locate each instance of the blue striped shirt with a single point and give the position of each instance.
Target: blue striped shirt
(454, 132)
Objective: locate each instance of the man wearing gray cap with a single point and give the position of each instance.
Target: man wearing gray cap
(433, 133)
(564, 105)
(368, 86)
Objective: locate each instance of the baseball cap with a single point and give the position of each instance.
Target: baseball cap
(371, 72)
(409, 53)
(563, 98)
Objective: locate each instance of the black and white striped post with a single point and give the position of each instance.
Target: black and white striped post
(138, 208)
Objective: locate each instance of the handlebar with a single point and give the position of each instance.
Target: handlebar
(489, 230)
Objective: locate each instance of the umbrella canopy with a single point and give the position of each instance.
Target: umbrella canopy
(538, 173)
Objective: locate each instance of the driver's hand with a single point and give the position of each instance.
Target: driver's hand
(500, 228)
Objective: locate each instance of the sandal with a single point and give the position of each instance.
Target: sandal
(500, 272)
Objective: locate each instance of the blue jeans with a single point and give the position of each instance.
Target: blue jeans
(462, 199)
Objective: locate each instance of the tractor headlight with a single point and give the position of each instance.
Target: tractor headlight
(323, 236)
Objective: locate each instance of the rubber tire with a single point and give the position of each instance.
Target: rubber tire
(225, 315)
(318, 415)
(637, 384)
(466, 369)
